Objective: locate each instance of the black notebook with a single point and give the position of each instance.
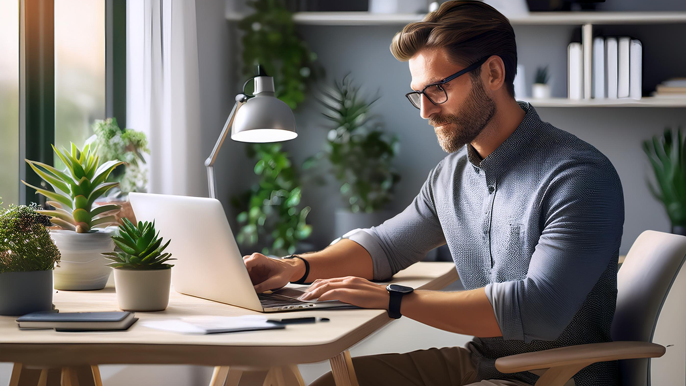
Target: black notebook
(78, 321)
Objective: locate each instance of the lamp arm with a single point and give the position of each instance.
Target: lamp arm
(209, 162)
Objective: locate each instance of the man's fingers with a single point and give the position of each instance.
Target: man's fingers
(341, 294)
(273, 282)
(333, 285)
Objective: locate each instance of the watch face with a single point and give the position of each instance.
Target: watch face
(399, 288)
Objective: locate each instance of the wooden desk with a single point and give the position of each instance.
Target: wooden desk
(275, 351)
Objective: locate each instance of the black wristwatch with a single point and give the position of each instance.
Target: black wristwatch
(396, 293)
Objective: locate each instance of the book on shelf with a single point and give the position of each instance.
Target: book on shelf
(78, 321)
(575, 70)
(623, 61)
(635, 69)
(674, 88)
(611, 64)
(599, 68)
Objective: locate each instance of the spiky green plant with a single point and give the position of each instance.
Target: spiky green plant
(141, 247)
(667, 157)
(76, 188)
(542, 75)
(359, 151)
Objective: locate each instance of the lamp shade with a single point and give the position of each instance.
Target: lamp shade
(264, 118)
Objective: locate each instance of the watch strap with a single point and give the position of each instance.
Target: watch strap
(394, 301)
(307, 269)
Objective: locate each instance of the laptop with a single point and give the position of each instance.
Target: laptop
(208, 262)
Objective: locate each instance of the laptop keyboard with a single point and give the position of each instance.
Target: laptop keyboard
(272, 300)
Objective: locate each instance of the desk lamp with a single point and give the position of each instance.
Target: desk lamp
(258, 118)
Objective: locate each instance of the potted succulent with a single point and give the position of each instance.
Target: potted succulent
(360, 154)
(142, 276)
(541, 89)
(27, 259)
(127, 145)
(666, 156)
(81, 239)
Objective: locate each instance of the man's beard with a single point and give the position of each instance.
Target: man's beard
(463, 128)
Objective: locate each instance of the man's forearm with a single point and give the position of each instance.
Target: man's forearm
(345, 258)
(463, 312)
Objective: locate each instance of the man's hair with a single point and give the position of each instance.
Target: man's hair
(468, 30)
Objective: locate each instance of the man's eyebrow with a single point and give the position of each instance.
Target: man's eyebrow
(431, 80)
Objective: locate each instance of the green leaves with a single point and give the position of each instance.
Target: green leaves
(357, 149)
(269, 216)
(270, 39)
(77, 187)
(141, 247)
(667, 158)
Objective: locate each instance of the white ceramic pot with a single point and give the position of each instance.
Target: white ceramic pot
(142, 290)
(82, 266)
(540, 91)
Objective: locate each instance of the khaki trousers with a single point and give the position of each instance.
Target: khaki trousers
(451, 366)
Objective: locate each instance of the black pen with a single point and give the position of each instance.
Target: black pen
(309, 319)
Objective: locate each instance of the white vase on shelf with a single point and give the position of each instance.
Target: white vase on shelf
(397, 6)
(540, 91)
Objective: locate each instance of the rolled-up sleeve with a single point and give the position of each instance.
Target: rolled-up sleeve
(406, 238)
(584, 215)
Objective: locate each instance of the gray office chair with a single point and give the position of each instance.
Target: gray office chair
(643, 283)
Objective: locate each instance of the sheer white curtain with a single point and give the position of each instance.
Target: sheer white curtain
(163, 92)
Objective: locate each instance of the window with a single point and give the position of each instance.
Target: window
(9, 101)
(79, 70)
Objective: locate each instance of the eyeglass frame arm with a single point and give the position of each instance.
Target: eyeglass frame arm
(209, 162)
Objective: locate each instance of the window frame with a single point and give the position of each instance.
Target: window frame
(37, 83)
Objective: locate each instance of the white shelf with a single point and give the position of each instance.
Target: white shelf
(645, 102)
(537, 18)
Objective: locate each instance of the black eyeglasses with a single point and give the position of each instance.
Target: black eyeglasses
(435, 91)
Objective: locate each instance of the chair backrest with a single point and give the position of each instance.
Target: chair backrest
(643, 283)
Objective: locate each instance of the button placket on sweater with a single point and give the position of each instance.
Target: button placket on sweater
(491, 187)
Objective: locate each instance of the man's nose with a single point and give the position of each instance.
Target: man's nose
(428, 108)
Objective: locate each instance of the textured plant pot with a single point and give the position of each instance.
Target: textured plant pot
(142, 290)
(24, 292)
(540, 91)
(82, 266)
(347, 220)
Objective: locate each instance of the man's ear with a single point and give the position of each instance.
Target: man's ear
(493, 73)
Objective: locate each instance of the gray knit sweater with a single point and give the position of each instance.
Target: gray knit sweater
(538, 223)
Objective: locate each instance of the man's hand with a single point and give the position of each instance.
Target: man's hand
(352, 290)
(269, 274)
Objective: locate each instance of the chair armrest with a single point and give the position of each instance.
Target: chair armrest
(581, 355)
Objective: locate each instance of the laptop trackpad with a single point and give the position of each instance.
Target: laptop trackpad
(289, 292)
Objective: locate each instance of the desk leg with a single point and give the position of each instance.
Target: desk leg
(43, 379)
(69, 377)
(224, 376)
(96, 375)
(16, 371)
(342, 370)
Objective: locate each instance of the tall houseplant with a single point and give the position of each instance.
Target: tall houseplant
(360, 154)
(27, 259)
(142, 274)
(668, 160)
(270, 217)
(81, 239)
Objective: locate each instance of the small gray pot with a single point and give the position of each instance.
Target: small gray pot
(142, 290)
(24, 292)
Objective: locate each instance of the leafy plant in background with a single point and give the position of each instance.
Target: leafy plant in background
(542, 75)
(270, 40)
(666, 156)
(127, 145)
(270, 217)
(141, 247)
(359, 152)
(76, 188)
(25, 244)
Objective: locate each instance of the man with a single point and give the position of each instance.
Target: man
(532, 216)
